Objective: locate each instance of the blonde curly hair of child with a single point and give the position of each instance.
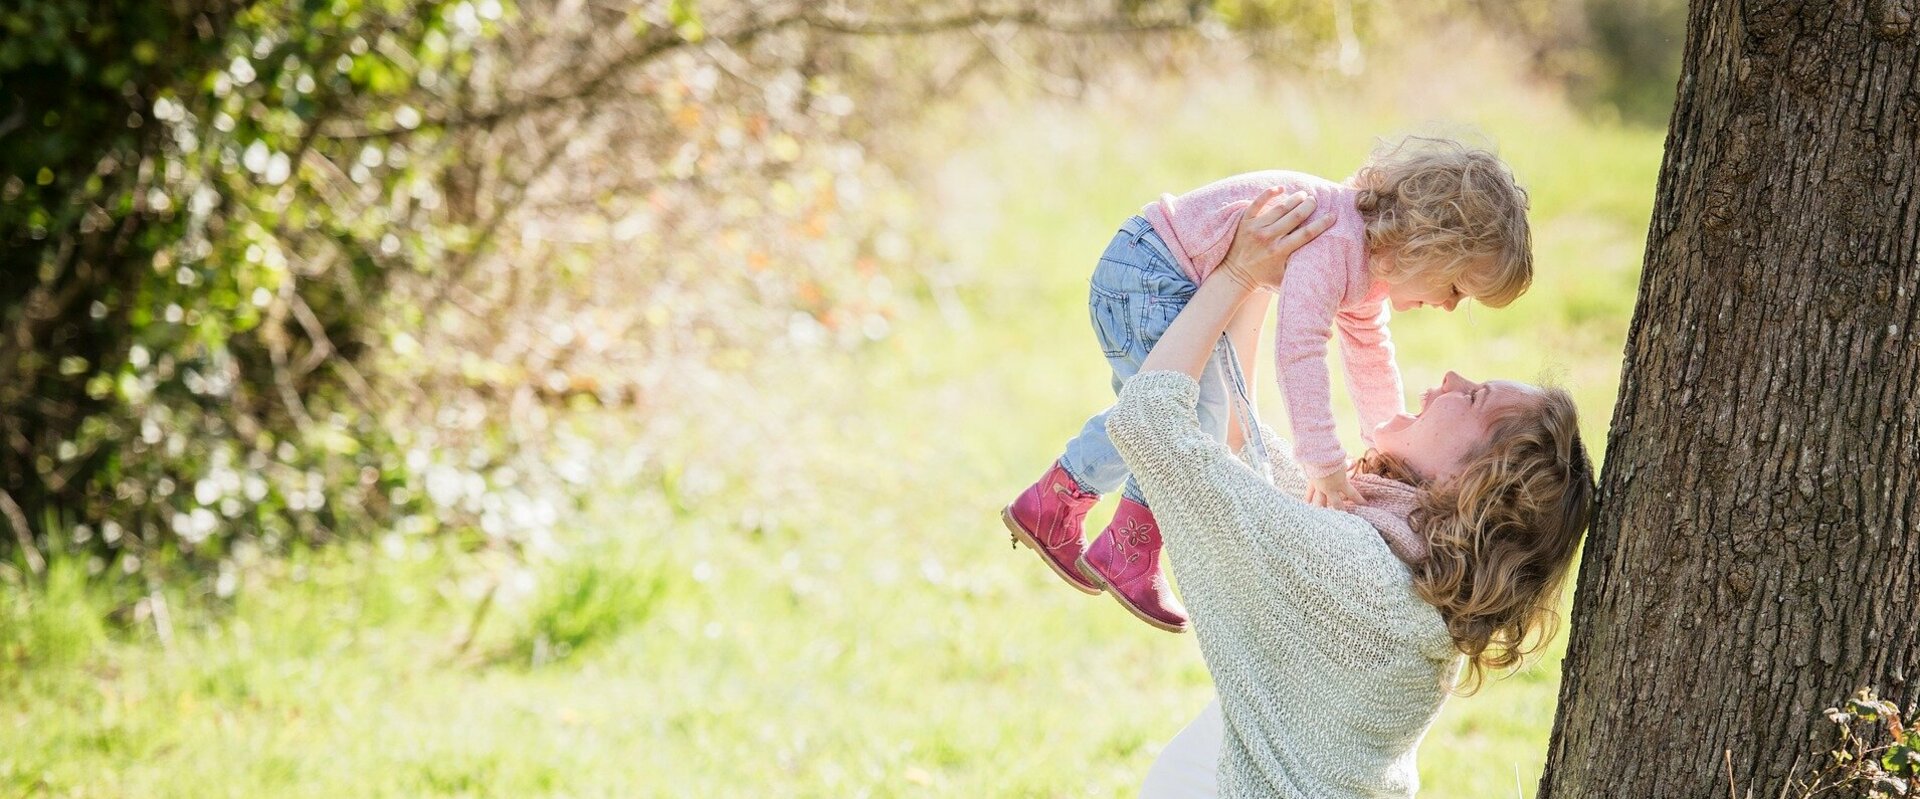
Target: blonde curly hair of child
(1447, 212)
(1502, 533)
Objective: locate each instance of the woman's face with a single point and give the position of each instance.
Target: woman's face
(1454, 420)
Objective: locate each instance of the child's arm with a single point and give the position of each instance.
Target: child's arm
(1373, 379)
(1309, 298)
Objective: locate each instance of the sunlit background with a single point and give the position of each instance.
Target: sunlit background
(589, 398)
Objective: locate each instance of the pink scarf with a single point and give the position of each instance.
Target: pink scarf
(1388, 504)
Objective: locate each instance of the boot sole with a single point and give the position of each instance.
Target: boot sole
(1086, 570)
(1020, 534)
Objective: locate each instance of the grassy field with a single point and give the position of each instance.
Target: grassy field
(807, 591)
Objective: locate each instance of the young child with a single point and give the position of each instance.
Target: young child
(1426, 222)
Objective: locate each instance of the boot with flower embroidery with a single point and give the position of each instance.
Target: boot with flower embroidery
(1048, 517)
(1125, 559)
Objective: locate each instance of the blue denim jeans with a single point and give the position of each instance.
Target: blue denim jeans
(1136, 291)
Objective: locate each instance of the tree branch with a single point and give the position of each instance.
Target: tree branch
(660, 41)
(1026, 18)
(459, 269)
(17, 519)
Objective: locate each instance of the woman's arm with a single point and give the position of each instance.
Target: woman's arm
(1246, 553)
(1257, 258)
(1244, 332)
(1287, 475)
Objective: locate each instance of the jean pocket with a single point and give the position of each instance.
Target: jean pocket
(1156, 315)
(1110, 323)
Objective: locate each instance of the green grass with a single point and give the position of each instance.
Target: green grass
(806, 592)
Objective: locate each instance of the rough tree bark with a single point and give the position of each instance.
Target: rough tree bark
(1758, 547)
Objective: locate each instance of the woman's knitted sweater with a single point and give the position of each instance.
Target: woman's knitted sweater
(1329, 668)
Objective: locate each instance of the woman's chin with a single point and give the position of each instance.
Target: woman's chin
(1394, 425)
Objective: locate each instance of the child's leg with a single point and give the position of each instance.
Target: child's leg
(1125, 558)
(1134, 294)
(1049, 515)
(1091, 458)
(1236, 440)
(1219, 416)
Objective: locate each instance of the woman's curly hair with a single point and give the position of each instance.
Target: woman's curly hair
(1502, 533)
(1451, 213)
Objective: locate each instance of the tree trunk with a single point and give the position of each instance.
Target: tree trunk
(1758, 546)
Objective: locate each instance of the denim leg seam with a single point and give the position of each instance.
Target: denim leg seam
(1078, 480)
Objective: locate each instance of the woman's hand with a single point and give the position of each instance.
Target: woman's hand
(1270, 232)
(1257, 259)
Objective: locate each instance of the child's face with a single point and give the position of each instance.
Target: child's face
(1424, 290)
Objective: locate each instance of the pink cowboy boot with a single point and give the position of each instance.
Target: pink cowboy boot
(1126, 560)
(1048, 518)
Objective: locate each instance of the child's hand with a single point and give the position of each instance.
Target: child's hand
(1333, 491)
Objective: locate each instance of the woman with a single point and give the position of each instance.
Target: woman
(1334, 637)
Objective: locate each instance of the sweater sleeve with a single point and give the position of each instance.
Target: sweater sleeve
(1182, 470)
(1373, 379)
(1286, 473)
(1248, 555)
(1309, 298)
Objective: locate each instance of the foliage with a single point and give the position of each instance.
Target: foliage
(280, 272)
(1635, 55)
(1617, 56)
(197, 268)
(585, 602)
(56, 626)
(1873, 756)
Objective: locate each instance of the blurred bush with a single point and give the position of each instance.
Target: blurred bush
(278, 272)
(1615, 56)
(194, 272)
(1638, 43)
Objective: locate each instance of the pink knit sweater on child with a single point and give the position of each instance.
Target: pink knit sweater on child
(1328, 289)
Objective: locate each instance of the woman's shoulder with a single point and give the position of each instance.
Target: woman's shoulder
(1379, 585)
(1351, 545)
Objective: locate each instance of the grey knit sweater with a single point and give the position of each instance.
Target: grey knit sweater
(1329, 668)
